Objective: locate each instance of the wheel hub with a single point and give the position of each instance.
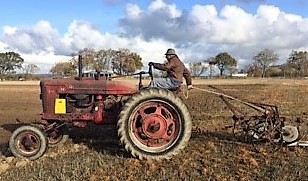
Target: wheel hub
(154, 126)
(28, 143)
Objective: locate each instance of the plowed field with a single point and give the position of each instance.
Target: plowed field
(94, 153)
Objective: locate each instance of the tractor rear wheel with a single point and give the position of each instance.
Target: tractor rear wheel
(28, 142)
(154, 124)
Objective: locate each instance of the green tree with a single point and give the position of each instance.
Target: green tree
(65, 68)
(299, 61)
(88, 58)
(264, 59)
(274, 71)
(134, 63)
(125, 62)
(121, 61)
(103, 59)
(224, 61)
(9, 62)
(288, 71)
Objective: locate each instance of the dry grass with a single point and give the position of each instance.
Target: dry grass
(94, 153)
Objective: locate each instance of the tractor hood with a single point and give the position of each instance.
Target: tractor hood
(89, 86)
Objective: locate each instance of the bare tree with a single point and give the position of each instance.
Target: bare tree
(264, 59)
(30, 69)
(211, 62)
(197, 69)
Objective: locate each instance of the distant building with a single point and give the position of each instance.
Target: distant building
(91, 73)
(240, 75)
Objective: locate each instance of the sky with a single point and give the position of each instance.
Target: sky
(47, 32)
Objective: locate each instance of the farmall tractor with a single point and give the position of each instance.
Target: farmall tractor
(151, 123)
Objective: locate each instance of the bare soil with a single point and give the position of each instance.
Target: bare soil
(94, 153)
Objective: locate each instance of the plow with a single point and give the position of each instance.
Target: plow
(261, 124)
(151, 123)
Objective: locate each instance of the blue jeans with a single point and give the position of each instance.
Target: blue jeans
(165, 83)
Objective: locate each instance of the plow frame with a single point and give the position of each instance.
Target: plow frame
(268, 126)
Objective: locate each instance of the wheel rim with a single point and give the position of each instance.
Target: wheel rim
(290, 133)
(55, 136)
(28, 143)
(155, 126)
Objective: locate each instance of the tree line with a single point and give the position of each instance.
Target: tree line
(121, 62)
(10, 62)
(263, 65)
(125, 62)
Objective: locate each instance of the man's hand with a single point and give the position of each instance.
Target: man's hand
(151, 63)
(189, 87)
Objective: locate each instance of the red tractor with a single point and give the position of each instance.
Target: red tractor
(152, 123)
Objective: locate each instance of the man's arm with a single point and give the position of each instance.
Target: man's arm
(163, 66)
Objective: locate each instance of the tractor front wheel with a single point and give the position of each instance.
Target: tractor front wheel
(28, 142)
(154, 124)
(57, 136)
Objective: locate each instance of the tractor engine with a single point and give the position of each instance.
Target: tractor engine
(79, 103)
(82, 103)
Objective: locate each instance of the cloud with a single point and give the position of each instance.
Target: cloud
(32, 43)
(4, 47)
(196, 35)
(133, 11)
(231, 26)
(206, 31)
(44, 60)
(80, 35)
(40, 37)
(159, 20)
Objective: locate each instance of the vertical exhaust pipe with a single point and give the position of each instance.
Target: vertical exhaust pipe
(79, 67)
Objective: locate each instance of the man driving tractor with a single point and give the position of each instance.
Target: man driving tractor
(175, 69)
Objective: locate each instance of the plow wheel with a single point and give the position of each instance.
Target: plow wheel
(154, 124)
(57, 136)
(28, 142)
(290, 134)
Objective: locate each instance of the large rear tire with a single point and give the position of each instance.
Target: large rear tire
(154, 124)
(28, 142)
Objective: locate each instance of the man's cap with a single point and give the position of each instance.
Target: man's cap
(170, 51)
